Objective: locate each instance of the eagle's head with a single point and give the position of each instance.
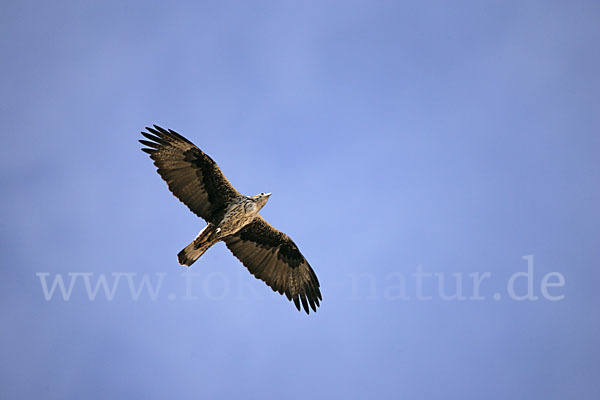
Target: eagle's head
(261, 199)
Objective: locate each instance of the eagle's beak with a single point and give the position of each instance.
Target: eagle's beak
(267, 194)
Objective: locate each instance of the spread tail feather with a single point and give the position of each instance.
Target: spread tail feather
(194, 250)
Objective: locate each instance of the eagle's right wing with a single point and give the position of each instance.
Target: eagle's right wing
(192, 176)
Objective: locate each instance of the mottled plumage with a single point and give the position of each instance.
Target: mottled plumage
(195, 179)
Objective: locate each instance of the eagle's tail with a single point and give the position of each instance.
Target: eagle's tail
(194, 250)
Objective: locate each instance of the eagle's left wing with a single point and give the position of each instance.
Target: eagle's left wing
(271, 256)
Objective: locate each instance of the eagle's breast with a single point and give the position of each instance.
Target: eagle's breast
(239, 214)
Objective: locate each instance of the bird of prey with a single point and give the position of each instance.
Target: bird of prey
(196, 180)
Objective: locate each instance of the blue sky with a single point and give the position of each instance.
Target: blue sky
(451, 138)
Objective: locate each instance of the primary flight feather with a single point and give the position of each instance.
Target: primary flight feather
(195, 179)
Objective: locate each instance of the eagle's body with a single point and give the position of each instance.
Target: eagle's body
(195, 179)
(241, 211)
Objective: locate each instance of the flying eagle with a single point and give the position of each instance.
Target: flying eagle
(196, 180)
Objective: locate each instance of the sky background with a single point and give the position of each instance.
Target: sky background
(455, 137)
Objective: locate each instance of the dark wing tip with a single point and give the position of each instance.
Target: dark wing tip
(149, 151)
(164, 136)
(149, 143)
(312, 294)
(304, 302)
(178, 136)
(163, 131)
(158, 131)
(156, 138)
